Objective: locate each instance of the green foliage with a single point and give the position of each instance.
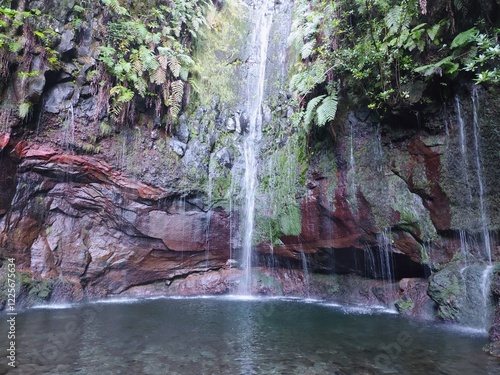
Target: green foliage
(280, 214)
(309, 81)
(105, 130)
(24, 110)
(376, 49)
(471, 51)
(404, 305)
(115, 7)
(149, 54)
(465, 38)
(214, 73)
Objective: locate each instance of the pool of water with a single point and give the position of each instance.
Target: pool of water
(191, 336)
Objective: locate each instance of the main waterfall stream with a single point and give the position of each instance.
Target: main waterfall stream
(255, 85)
(230, 336)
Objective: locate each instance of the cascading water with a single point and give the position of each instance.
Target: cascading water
(352, 166)
(383, 241)
(482, 207)
(305, 270)
(476, 288)
(254, 98)
(463, 148)
(209, 211)
(69, 129)
(464, 166)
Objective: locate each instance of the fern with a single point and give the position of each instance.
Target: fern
(105, 129)
(305, 81)
(307, 49)
(327, 110)
(115, 6)
(149, 62)
(141, 86)
(159, 77)
(121, 94)
(311, 110)
(174, 109)
(175, 66)
(432, 32)
(177, 90)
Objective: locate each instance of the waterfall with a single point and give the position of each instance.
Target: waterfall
(352, 167)
(463, 147)
(482, 207)
(254, 98)
(305, 270)
(370, 267)
(69, 130)
(383, 242)
(464, 245)
(467, 178)
(209, 211)
(476, 284)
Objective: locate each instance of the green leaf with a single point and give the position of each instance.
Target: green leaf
(464, 38)
(311, 110)
(307, 49)
(327, 110)
(432, 32)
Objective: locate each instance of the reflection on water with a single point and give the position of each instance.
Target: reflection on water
(238, 336)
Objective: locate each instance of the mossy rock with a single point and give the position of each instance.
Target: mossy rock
(446, 289)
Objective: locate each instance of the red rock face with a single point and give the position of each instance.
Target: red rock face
(106, 233)
(436, 202)
(4, 140)
(75, 216)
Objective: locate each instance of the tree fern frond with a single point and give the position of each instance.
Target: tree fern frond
(175, 66)
(175, 109)
(311, 110)
(149, 62)
(159, 77)
(307, 49)
(163, 61)
(115, 6)
(396, 20)
(184, 74)
(177, 90)
(327, 110)
(141, 86)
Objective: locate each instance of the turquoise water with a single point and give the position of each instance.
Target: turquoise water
(231, 336)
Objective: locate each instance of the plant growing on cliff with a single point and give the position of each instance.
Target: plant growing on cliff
(315, 91)
(149, 56)
(405, 305)
(382, 51)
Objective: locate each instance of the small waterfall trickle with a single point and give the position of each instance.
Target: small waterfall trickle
(464, 246)
(379, 151)
(385, 256)
(470, 158)
(209, 211)
(352, 166)
(69, 129)
(254, 98)
(305, 271)
(463, 148)
(482, 206)
(476, 294)
(123, 154)
(370, 265)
